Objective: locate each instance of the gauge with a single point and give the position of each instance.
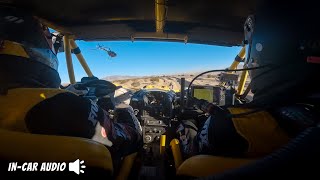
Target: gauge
(147, 138)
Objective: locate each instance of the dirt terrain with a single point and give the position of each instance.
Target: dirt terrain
(166, 82)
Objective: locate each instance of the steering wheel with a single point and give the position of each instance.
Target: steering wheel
(97, 87)
(93, 87)
(98, 90)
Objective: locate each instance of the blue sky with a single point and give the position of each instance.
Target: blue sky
(141, 58)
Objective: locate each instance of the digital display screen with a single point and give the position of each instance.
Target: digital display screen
(206, 93)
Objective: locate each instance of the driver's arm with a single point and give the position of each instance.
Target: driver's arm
(217, 136)
(125, 132)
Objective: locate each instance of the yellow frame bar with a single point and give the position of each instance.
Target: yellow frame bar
(162, 144)
(242, 82)
(244, 74)
(67, 51)
(240, 56)
(236, 61)
(81, 58)
(160, 15)
(176, 152)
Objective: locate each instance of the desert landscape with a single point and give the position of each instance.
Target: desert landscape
(165, 81)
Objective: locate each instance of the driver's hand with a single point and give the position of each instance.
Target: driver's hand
(77, 89)
(117, 98)
(205, 106)
(199, 103)
(120, 96)
(106, 103)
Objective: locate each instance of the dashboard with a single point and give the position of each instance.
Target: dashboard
(154, 109)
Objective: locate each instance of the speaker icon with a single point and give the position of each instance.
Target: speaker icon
(77, 166)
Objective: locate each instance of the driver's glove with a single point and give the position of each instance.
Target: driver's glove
(77, 89)
(119, 96)
(205, 106)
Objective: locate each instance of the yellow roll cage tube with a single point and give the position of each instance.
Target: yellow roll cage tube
(244, 75)
(70, 44)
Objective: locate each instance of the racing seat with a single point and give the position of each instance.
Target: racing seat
(15, 104)
(203, 165)
(25, 147)
(261, 131)
(18, 145)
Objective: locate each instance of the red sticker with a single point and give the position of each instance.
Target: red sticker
(313, 59)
